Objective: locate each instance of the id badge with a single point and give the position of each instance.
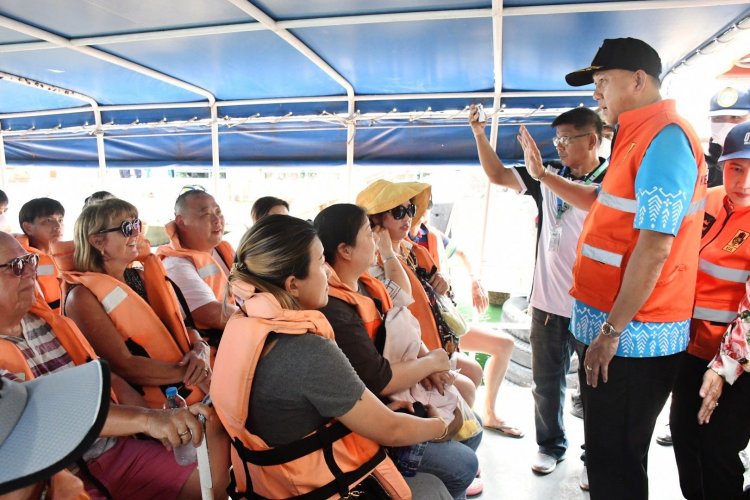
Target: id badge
(554, 238)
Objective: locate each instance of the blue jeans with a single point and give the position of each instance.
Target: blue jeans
(551, 347)
(455, 463)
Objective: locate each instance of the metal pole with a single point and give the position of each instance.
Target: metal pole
(497, 59)
(215, 171)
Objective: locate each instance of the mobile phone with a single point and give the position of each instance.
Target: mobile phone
(481, 114)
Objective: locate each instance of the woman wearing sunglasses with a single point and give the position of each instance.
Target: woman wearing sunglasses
(286, 393)
(129, 313)
(386, 351)
(397, 207)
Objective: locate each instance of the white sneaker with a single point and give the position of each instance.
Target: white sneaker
(583, 481)
(544, 464)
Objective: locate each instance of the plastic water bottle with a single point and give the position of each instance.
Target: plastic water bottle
(185, 454)
(408, 458)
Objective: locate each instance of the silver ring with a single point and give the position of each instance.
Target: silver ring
(716, 403)
(205, 370)
(588, 368)
(184, 433)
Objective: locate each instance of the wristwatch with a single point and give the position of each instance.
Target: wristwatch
(609, 331)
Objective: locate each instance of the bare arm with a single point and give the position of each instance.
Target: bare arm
(478, 293)
(578, 195)
(639, 279)
(86, 311)
(124, 420)
(493, 167)
(372, 419)
(214, 314)
(409, 373)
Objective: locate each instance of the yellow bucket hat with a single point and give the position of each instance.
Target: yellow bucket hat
(383, 195)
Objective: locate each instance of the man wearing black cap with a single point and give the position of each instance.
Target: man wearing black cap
(635, 270)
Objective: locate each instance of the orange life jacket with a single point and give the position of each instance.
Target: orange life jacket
(723, 270)
(70, 337)
(156, 326)
(324, 464)
(47, 274)
(208, 269)
(608, 237)
(420, 308)
(63, 485)
(434, 245)
(371, 316)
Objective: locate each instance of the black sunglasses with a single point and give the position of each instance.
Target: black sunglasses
(20, 264)
(401, 211)
(128, 228)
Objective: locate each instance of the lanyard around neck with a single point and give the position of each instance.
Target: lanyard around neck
(562, 206)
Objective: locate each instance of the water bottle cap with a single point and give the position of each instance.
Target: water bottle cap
(171, 392)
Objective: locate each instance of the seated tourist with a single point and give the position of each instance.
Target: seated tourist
(284, 390)
(398, 207)
(41, 221)
(131, 316)
(198, 261)
(35, 342)
(357, 303)
(268, 205)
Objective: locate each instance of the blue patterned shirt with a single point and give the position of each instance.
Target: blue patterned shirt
(664, 187)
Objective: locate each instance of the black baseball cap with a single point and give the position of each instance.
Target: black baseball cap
(618, 53)
(737, 143)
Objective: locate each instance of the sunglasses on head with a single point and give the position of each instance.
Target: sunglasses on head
(401, 211)
(192, 187)
(19, 265)
(128, 228)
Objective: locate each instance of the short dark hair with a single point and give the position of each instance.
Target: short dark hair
(338, 224)
(3, 197)
(39, 207)
(263, 205)
(581, 118)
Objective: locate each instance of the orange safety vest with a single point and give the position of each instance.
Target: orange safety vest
(608, 237)
(66, 331)
(420, 308)
(723, 270)
(367, 310)
(156, 326)
(325, 464)
(207, 267)
(47, 274)
(435, 246)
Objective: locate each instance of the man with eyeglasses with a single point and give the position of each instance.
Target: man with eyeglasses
(637, 262)
(198, 261)
(578, 136)
(41, 221)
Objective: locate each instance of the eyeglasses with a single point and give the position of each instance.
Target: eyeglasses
(128, 228)
(564, 140)
(19, 265)
(401, 211)
(192, 187)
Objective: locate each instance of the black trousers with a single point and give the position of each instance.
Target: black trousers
(707, 455)
(618, 421)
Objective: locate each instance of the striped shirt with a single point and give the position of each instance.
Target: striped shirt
(43, 352)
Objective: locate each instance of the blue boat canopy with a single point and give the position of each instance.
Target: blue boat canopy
(222, 83)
